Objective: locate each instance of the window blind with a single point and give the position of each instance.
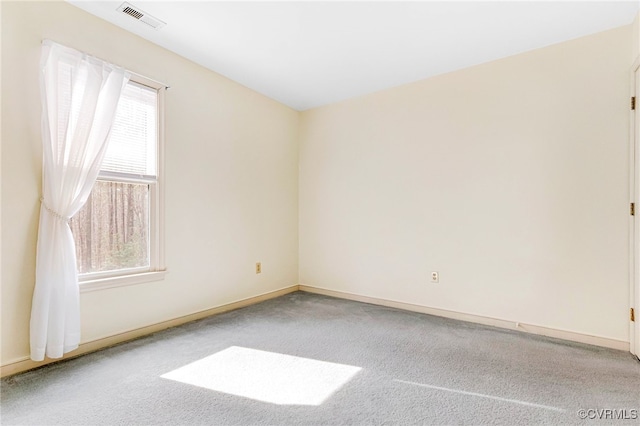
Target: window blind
(133, 139)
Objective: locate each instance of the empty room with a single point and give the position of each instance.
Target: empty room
(307, 212)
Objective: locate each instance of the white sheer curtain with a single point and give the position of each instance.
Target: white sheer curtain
(80, 94)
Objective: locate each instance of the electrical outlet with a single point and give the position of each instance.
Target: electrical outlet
(435, 277)
(258, 268)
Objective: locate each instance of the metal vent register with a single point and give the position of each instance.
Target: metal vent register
(140, 15)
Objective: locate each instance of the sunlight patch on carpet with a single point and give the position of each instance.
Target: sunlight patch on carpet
(266, 376)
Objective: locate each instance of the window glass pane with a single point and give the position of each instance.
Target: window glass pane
(133, 143)
(111, 231)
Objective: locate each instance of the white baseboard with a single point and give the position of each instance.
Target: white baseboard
(24, 364)
(527, 328)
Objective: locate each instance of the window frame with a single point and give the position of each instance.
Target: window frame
(156, 271)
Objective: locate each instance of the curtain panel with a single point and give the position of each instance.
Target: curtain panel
(79, 96)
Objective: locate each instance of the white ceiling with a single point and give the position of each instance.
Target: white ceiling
(308, 54)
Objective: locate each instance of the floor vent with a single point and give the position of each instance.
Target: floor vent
(136, 13)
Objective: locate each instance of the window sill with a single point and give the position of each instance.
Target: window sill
(121, 281)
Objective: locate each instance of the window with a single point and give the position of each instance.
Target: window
(118, 232)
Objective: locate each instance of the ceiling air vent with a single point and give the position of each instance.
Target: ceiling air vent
(134, 12)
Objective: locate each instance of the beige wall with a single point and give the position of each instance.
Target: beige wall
(636, 36)
(509, 178)
(231, 172)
